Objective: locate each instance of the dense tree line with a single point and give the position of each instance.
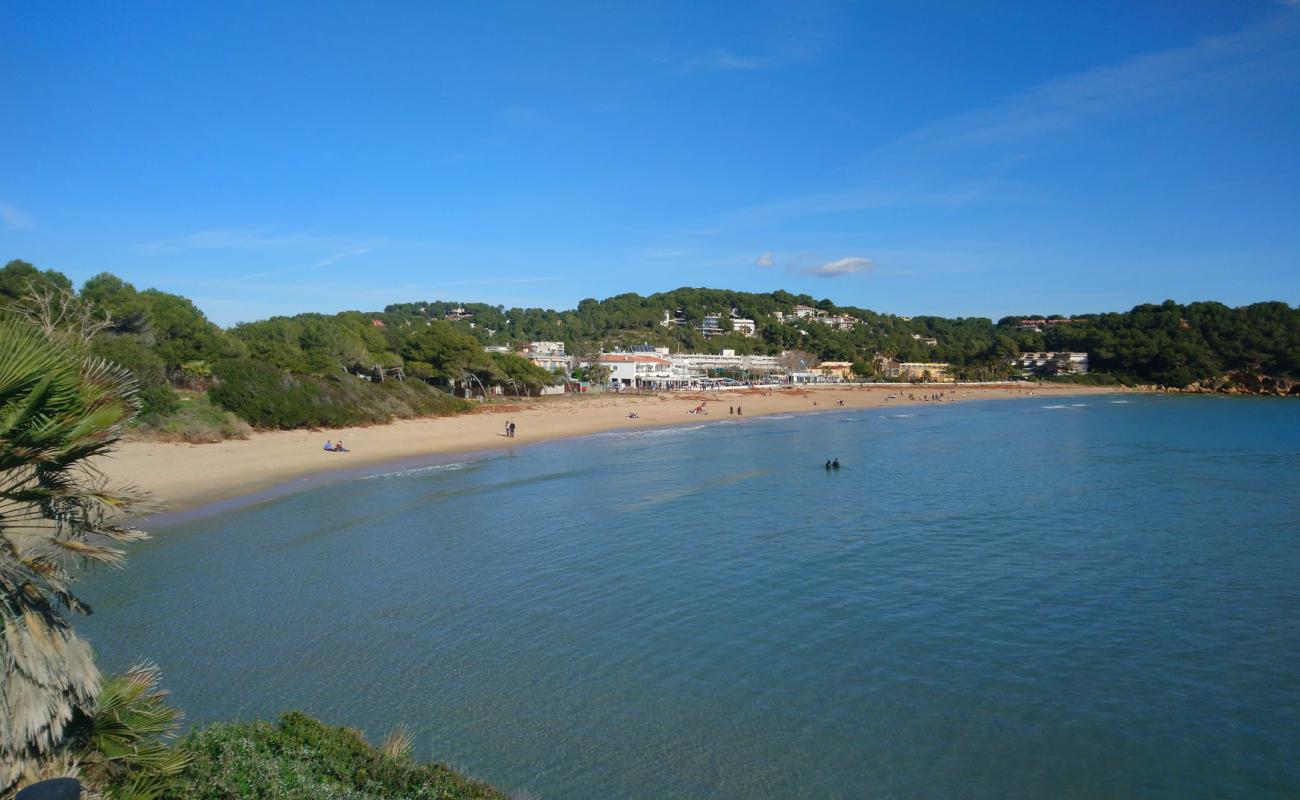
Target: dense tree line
(335, 368)
(1169, 344)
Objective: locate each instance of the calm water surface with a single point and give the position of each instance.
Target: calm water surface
(1081, 598)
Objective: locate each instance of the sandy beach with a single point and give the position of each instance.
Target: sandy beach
(185, 476)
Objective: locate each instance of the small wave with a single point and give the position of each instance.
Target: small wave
(403, 473)
(1053, 406)
(1119, 402)
(1078, 405)
(901, 416)
(647, 433)
(780, 416)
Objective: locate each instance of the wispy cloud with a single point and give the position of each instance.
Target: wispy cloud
(723, 60)
(1106, 92)
(324, 262)
(764, 260)
(233, 239)
(837, 269)
(13, 218)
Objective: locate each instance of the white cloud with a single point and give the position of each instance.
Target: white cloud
(838, 269)
(764, 260)
(15, 219)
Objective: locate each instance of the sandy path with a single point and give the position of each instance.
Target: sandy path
(185, 475)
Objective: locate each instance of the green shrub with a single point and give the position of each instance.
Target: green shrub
(194, 420)
(158, 401)
(304, 758)
(269, 397)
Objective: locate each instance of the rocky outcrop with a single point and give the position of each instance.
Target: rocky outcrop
(1244, 383)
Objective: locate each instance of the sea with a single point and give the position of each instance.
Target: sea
(1091, 597)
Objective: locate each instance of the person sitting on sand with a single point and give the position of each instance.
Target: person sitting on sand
(339, 448)
(329, 446)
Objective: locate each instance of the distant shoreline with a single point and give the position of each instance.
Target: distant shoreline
(188, 477)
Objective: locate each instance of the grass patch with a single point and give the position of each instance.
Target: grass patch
(301, 757)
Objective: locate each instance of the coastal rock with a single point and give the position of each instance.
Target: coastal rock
(1243, 382)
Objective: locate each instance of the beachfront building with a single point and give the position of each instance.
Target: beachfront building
(643, 371)
(836, 370)
(548, 356)
(702, 364)
(810, 377)
(1052, 363)
(923, 371)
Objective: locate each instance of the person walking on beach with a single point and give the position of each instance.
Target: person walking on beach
(512, 429)
(739, 412)
(731, 409)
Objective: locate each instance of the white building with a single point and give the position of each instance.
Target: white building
(701, 364)
(643, 371)
(711, 326)
(840, 322)
(1052, 363)
(745, 326)
(548, 356)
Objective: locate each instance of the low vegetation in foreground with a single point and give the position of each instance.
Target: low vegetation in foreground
(300, 757)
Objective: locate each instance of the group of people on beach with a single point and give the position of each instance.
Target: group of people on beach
(735, 410)
(335, 447)
(510, 429)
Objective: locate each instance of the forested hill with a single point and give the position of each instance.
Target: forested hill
(330, 369)
(1168, 344)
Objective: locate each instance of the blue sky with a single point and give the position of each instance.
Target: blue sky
(911, 157)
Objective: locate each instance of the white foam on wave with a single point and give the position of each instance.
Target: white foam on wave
(1054, 406)
(432, 468)
(1078, 405)
(1119, 401)
(648, 433)
(898, 416)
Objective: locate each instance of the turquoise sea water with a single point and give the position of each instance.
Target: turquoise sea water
(1081, 598)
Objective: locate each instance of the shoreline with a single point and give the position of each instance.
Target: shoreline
(189, 478)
